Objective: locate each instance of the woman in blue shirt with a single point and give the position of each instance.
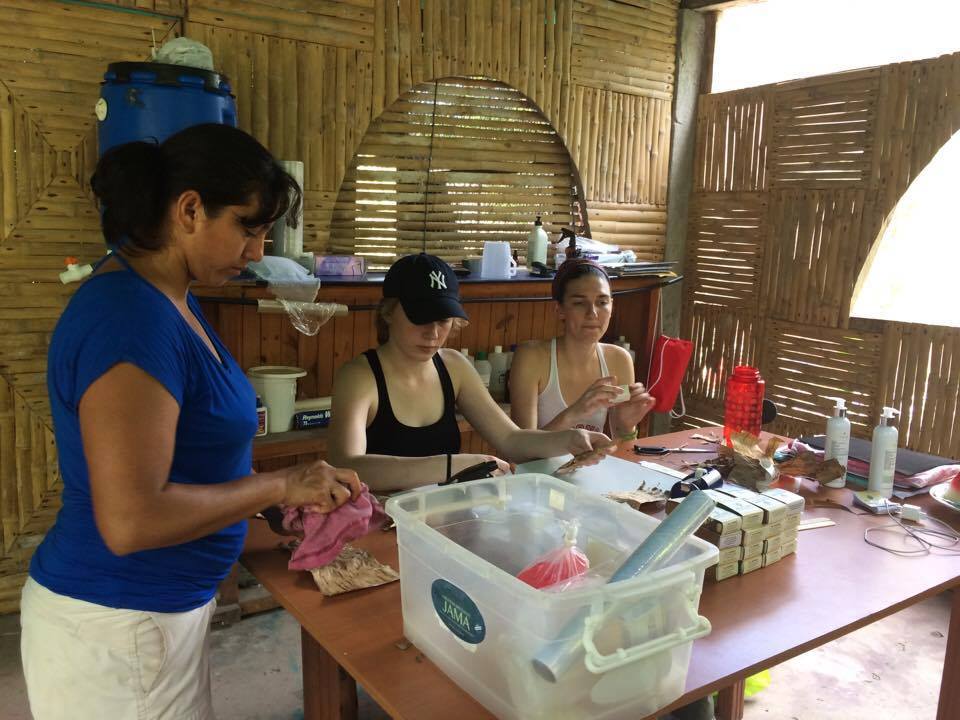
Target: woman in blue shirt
(154, 421)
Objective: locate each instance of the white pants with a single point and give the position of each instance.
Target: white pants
(83, 660)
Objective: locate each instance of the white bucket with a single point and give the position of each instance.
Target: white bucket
(277, 386)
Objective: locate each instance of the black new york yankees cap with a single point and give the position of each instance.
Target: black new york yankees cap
(426, 287)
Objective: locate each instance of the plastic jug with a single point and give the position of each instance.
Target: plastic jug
(743, 408)
(497, 263)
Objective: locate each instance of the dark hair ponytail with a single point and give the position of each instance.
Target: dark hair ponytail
(129, 184)
(137, 182)
(571, 270)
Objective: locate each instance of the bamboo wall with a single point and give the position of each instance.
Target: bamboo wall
(792, 184)
(310, 78)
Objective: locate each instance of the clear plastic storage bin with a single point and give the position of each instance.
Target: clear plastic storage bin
(460, 549)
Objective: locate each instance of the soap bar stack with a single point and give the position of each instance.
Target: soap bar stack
(751, 530)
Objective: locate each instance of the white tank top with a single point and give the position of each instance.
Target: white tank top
(550, 402)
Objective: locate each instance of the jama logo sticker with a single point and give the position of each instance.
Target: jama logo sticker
(458, 612)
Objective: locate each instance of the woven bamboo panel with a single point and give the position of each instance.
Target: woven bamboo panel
(625, 46)
(725, 242)
(620, 143)
(723, 338)
(733, 134)
(919, 110)
(301, 99)
(806, 366)
(641, 228)
(813, 255)
(921, 378)
(336, 23)
(823, 130)
(52, 58)
(496, 162)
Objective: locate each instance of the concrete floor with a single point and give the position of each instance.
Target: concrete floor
(890, 669)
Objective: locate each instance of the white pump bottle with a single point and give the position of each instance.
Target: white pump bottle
(883, 456)
(837, 445)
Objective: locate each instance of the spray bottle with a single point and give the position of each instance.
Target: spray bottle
(883, 457)
(837, 445)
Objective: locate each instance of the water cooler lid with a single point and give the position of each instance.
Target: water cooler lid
(166, 74)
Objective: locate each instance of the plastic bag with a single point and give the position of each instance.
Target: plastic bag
(558, 565)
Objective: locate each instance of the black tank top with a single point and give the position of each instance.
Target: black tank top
(388, 436)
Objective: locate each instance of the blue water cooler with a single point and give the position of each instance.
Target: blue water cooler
(147, 100)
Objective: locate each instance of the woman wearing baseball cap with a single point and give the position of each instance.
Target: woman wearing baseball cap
(577, 365)
(394, 407)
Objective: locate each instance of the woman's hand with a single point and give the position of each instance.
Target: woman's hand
(599, 396)
(320, 486)
(587, 448)
(461, 462)
(627, 414)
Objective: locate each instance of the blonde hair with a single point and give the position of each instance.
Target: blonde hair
(386, 309)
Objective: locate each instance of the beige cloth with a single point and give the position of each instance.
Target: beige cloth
(83, 660)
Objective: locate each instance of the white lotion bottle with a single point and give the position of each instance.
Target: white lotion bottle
(837, 445)
(498, 373)
(537, 242)
(883, 455)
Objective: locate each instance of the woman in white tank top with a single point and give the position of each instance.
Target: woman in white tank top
(572, 381)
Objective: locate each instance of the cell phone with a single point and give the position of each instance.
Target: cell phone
(474, 472)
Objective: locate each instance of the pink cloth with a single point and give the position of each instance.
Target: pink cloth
(325, 534)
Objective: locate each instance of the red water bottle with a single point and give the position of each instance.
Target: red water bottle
(744, 403)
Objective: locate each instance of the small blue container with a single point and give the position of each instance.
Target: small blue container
(152, 101)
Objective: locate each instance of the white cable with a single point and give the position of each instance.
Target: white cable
(914, 533)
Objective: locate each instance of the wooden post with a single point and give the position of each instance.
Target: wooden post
(329, 692)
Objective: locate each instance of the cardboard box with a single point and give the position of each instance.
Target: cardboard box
(722, 572)
(750, 515)
(721, 541)
(731, 555)
(748, 566)
(789, 547)
(339, 265)
(719, 521)
(754, 535)
(774, 530)
(736, 491)
(772, 544)
(773, 510)
(772, 557)
(794, 502)
(752, 551)
(792, 522)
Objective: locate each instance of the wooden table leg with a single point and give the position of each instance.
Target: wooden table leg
(329, 692)
(730, 701)
(949, 705)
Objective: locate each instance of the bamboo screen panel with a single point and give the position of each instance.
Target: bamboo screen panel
(770, 273)
(449, 166)
(310, 78)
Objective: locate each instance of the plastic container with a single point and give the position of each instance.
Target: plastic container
(743, 407)
(484, 368)
(883, 454)
(288, 239)
(498, 373)
(277, 385)
(537, 242)
(141, 100)
(837, 444)
(460, 549)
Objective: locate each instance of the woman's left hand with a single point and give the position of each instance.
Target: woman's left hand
(632, 411)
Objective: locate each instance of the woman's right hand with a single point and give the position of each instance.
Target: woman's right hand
(461, 462)
(320, 486)
(600, 395)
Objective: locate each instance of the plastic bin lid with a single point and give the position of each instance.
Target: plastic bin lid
(276, 372)
(166, 74)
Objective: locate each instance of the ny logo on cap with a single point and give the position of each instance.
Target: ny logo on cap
(437, 280)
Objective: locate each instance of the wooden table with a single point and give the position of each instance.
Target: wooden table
(835, 584)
